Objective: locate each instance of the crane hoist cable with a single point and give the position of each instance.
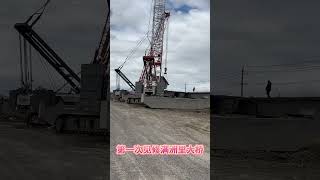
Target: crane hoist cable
(149, 22)
(133, 50)
(25, 29)
(46, 69)
(64, 85)
(167, 42)
(144, 37)
(39, 12)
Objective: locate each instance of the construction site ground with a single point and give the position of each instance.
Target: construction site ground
(289, 148)
(40, 153)
(134, 124)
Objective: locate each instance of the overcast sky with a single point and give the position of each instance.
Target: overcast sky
(188, 46)
(72, 28)
(245, 33)
(258, 33)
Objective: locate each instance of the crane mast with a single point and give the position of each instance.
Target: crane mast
(88, 109)
(103, 51)
(152, 61)
(102, 54)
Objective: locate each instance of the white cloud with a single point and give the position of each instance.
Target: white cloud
(199, 4)
(188, 49)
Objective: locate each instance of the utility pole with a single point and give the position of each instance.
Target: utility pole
(185, 87)
(242, 73)
(30, 59)
(117, 82)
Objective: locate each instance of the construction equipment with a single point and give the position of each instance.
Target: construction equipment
(153, 61)
(151, 81)
(25, 30)
(124, 77)
(85, 110)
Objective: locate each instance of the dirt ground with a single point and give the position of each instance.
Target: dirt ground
(290, 159)
(132, 124)
(266, 166)
(39, 153)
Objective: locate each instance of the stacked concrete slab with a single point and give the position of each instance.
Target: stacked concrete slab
(225, 104)
(198, 95)
(293, 106)
(193, 95)
(176, 103)
(276, 124)
(174, 94)
(304, 106)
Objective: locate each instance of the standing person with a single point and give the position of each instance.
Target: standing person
(268, 88)
(194, 88)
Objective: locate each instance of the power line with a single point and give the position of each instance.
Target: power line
(198, 82)
(229, 75)
(303, 66)
(286, 70)
(288, 64)
(286, 83)
(289, 69)
(281, 67)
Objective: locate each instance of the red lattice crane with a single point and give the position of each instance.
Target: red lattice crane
(153, 60)
(102, 54)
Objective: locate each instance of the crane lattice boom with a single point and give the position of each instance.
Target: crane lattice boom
(152, 61)
(102, 55)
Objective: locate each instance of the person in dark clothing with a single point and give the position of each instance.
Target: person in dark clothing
(268, 88)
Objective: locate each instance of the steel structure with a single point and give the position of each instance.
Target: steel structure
(102, 54)
(87, 112)
(26, 31)
(153, 60)
(124, 77)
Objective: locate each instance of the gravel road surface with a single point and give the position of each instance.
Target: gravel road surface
(133, 124)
